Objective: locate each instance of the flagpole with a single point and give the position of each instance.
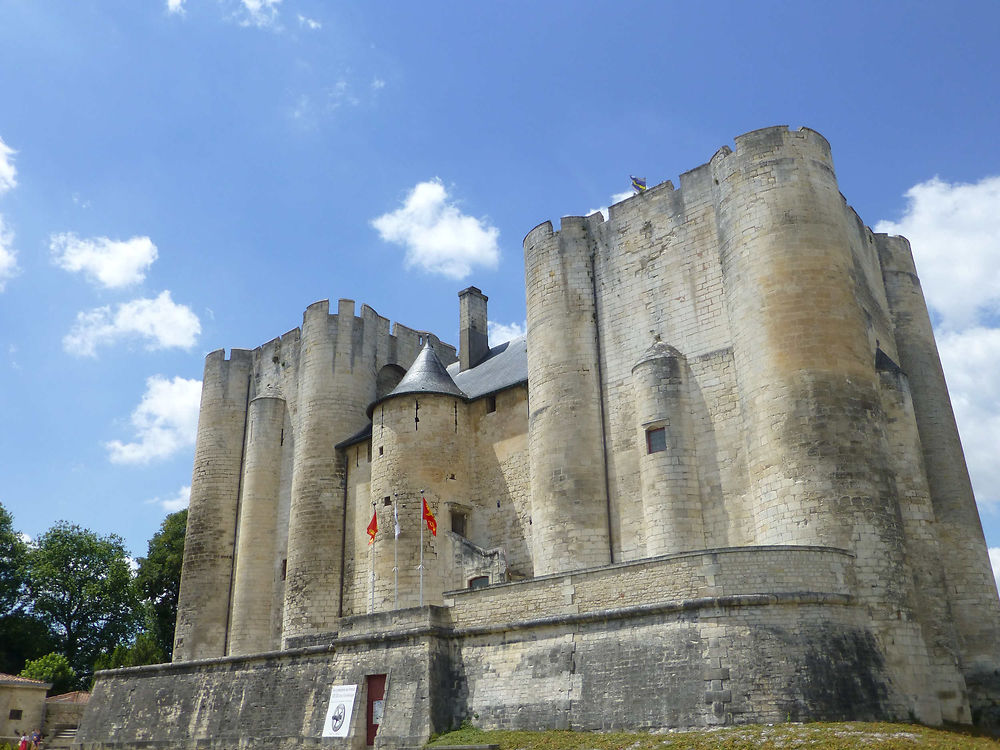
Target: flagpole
(421, 566)
(395, 550)
(371, 563)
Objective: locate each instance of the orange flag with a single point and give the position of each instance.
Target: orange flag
(373, 528)
(429, 517)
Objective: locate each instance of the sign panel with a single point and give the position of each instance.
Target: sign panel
(338, 713)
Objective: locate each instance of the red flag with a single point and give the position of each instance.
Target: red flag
(373, 528)
(429, 517)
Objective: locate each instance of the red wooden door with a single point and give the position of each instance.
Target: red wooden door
(375, 703)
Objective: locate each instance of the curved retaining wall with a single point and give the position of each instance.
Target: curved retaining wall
(693, 639)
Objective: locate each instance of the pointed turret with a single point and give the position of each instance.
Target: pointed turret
(427, 375)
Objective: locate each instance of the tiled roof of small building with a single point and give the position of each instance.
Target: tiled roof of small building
(13, 679)
(77, 696)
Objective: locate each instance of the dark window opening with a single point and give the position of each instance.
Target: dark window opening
(416, 415)
(284, 569)
(380, 450)
(386, 501)
(15, 714)
(459, 522)
(479, 582)
(656, 440)
(282, 440)
(491, 404)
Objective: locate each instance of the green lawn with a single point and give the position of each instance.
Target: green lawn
(818, 736)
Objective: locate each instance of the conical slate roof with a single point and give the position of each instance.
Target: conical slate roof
(426, 375)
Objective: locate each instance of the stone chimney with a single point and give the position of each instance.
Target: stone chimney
(473, 343)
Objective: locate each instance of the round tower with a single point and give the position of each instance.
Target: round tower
(418, 443)
(203, 602)
(254, 575)
(972, 590)
(668, 469)
(569, 498)
(312, 583)
(803, 363)
(817, 458)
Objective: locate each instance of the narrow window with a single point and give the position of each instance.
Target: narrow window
(458, 522)
(281, 441)
(491, 404)
(656, 440)
(416, 415)
(479, 582)
(284, 569)
(380, 450)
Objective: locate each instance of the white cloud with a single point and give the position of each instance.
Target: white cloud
(500, 332)
(175, 6)
(341, 95)
(165, 421)
(161, 321)
(377, 83)
(995, 561)
(8, 173)
(971, 359)
(175, 503)
(110, 263)
(309, 23)
(8, 255)
(954, 230)
(260, 13)
(437, 236)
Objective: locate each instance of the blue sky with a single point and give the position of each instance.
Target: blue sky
(178, 176)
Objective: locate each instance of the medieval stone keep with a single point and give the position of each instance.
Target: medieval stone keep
(718, 482)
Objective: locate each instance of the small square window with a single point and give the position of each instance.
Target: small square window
(386, 501)
(656, 440)
(15, 714)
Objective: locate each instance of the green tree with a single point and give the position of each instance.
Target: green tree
(145, 650)
(22, 636)
(159, 579)
(81, 587)
(13, 552)
(52, 668)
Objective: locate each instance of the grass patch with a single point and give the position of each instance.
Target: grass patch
(813, 736)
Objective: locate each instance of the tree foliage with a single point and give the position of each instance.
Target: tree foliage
(145, 650)
(13, 552)
(22, 636)
(80, 585)
(159, 579)
(54, 668)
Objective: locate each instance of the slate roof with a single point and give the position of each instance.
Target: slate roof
(504, 366)
(426, 375)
